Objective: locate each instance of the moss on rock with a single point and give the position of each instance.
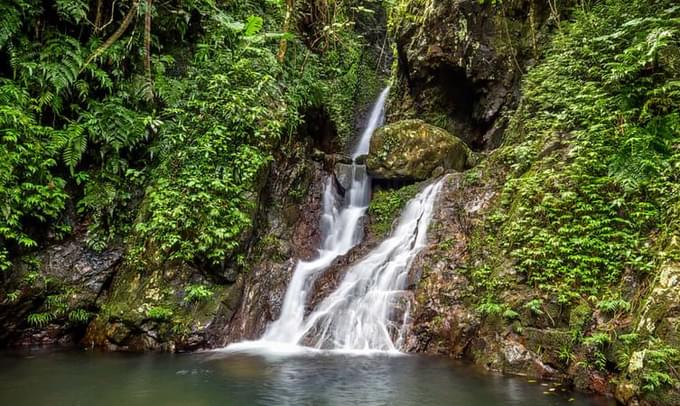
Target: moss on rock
(413, 150)
(157, 310)
(385, 207)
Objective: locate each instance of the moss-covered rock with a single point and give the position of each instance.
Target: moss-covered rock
(168, 308)
(385, 206)
(413, 149)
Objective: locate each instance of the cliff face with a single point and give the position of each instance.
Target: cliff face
(533, 268)
(460, 62)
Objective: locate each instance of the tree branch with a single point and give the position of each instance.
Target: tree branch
(115, 36)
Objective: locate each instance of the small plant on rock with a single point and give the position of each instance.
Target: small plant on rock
(197, 293)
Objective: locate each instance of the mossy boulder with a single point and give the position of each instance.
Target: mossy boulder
(158, 309)
(413, 150)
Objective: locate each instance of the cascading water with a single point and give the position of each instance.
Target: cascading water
(375, 120)
(340, 226)
(358, 314)
(340, 223)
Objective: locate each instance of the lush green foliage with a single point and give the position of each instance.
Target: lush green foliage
(159, 313)
(169, 144)
(386, 205)
(599, 121)
(195, 293)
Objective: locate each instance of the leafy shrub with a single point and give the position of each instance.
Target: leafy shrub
(159, 313)
(197, 293)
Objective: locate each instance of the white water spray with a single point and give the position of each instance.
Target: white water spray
(358, 315)
(375, 120)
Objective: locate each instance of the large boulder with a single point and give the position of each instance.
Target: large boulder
(413, 149)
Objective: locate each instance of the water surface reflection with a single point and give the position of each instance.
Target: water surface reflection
(80, 378)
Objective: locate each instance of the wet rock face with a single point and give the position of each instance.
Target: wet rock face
(289, 231)
(68, 270)
(443, 321)
(413, 150)
(74, 264)
(460, 62)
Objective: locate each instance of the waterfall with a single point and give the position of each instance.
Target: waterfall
(375, 120)
(358, 315)
(340, 225)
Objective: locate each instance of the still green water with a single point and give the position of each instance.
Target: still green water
(84, 378)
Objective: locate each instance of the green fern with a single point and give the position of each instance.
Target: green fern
(74, 144)
(253, 26)
(73, 10)
(40, 319)
(60, 62)
(10, 22)
(79, 316)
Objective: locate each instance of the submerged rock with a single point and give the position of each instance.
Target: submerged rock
(413, 150)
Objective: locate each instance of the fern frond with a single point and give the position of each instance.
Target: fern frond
(73, 10)
(10, 22)
(74, 145)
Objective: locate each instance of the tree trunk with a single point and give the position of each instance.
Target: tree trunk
(98, 17)
(283, 45)
(147, 40)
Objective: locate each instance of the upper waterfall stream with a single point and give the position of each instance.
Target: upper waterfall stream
(358, 315)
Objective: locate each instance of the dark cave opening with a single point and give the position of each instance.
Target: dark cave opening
(320, 128)
(390, 184)
(461, 103)
(444, 95)
(458, 93)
